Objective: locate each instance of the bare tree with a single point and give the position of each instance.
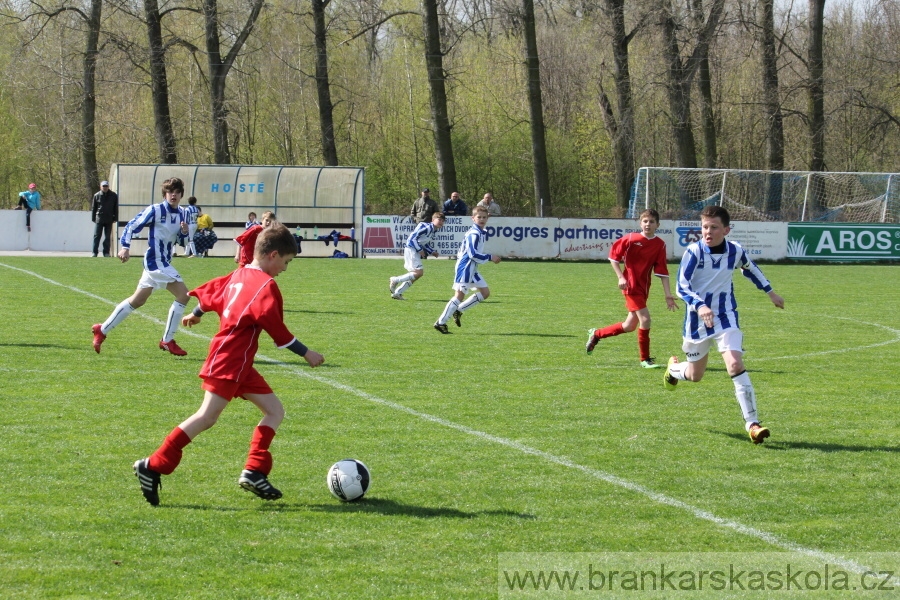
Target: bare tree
(440, 118)
(159, 85)
(680, 75)
(771, 103)
(542, 199)
(219, 68)
(92, 23)
(704, 86)
(816, 97)
(621, 128)
(323, 88)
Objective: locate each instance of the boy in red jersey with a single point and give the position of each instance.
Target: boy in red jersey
(644, 255)
(248, 302)
(247, 240)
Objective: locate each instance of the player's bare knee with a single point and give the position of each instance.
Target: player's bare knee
(418, 273)
(485, 292)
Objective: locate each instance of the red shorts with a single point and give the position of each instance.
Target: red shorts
(635, 303)
(228, 388)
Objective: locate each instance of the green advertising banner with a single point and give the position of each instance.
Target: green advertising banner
(843, 241)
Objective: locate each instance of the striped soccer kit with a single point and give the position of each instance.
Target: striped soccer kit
(471, 254)
(705, 279)
(164, 225)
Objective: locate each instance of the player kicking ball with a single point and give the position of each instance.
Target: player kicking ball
(711, 318)
(248, 302)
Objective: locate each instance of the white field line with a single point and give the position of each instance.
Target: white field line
(615, 480)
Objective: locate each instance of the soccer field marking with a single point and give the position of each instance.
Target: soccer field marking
(615, 480)
(895, 332)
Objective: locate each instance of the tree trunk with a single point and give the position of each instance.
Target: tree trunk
(621, 130)
(771, 106)
(542, 200)
(89, 100)
(816, 85)
(440, 120)
(218, 72)
(326, 108)
(159, 86)
(680, 78)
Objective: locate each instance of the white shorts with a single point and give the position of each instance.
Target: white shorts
(465, 287)
(730, 339)
(412, 260)
(159, 280)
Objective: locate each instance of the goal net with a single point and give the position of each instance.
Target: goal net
(768, 195)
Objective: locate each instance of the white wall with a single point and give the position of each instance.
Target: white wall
(51, 231)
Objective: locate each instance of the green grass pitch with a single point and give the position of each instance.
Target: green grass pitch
(504, 437)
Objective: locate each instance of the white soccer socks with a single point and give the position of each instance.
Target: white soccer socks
(451, 307)
(746, 397)
(471, 301)
(119, 314)
(174, 319)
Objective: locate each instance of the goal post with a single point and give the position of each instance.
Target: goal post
(768, 195)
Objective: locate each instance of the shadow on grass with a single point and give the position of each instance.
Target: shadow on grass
(817, 446)
(366, 505)
(391, 507)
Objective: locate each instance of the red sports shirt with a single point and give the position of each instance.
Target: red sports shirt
(642, 258)
(248, 302)
(247, 241)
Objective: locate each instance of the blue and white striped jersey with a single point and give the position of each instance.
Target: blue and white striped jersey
(191, 212)
(164, 226)
(470, 255)
(705, 279)
(422, 237)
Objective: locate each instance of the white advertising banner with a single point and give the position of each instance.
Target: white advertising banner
(761, 239)
(573, 239)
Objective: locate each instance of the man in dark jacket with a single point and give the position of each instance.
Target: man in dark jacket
(423, 208)
(104, 212)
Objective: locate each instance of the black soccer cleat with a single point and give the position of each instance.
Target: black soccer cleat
(457, 318)
(150, 481)
(256, 482)
(442, 327)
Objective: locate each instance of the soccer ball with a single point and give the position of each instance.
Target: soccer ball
(348, 480)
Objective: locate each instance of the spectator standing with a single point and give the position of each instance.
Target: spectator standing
(492, 207)
(455, 207)
(29, 200)
(104, 212)
(423, 208)
(251, 221)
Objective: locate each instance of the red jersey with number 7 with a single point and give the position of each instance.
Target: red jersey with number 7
(642, 256)
(248, 302)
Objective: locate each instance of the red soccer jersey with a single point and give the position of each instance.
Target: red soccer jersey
(247, 241)
(248, 302)
(642, 258)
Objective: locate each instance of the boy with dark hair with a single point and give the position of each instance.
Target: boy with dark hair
(248, 302)
(418, 244)
(711, 317)
(644, 255)
(164, 221)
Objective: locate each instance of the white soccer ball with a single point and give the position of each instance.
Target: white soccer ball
(348, 480)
